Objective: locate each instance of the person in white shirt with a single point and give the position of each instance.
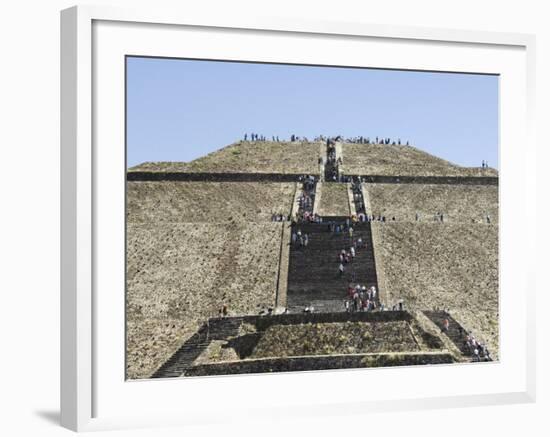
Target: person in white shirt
(341, 269)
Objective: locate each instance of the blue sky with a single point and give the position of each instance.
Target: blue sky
(179, 110)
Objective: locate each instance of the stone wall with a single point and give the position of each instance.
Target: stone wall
(446, 180)
(322, 161)
(293, 364)
(263, 323)
(351, 201)
(179, 176)
(284, 258)
(380, 270)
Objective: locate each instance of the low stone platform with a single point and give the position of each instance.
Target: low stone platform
(248, 344)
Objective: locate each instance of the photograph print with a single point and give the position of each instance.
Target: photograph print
(284, 218)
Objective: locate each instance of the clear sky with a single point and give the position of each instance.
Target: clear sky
(179, 110)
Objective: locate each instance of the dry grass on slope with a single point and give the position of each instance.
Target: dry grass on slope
(399, 160)
(458, 203)
(213, 202)
(334, 199)
(248, 157)
(179, 275)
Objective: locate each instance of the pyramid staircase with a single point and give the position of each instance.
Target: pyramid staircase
(358, 200)
(456, 333)
(313, 278)
(331, 166)
(183, 358)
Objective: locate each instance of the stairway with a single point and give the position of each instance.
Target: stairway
(358, 200)
(456, 333)
(313, 277)
(331, 166)
(183, 358)
(307, 199)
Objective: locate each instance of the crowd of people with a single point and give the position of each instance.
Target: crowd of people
(306, 200)
(308, 217)
(258, 137)
(361, 298)
(337, 227)
(346, 257)
(362, 217)
(440, 217)
(478, 350)
(357, 190)
(308, 182)
(437, 217)
(377, 140)
(274, 138)
(305, 203)
(332, 162)
(361, 140)
(320, 138)
(338, 178)
(300, 238)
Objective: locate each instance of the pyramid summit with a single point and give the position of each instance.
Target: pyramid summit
(302, 157)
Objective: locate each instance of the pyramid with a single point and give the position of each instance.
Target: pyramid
(201, 233)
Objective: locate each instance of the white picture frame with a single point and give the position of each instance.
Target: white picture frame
(93, 39)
